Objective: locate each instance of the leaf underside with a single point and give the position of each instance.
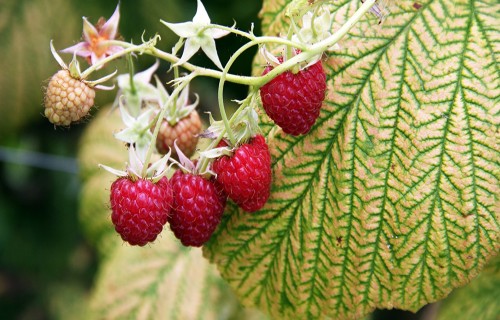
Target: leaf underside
(391, 200)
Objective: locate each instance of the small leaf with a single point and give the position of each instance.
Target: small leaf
(391, 201)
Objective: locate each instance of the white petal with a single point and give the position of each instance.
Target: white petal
(145, 118)
(216, 33)
(145, 76)
(142, 145)
(136, 165)
(270, 58)
(185, 161)
(106, 77)
(116, 172)
(216, 152)
(183, 97)
(201, 16)
(57, 56)
(127, 119)
(325, 20)
(183, 29)
(123, 81)
(158, 168)
(211, 51)
(127, 135)
(306, 20)
(79, 49)
(190, 48)
(110, 28)
(103, 87)
(89, 31)
(162, 92)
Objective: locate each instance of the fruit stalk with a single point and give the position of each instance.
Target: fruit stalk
(150, 49)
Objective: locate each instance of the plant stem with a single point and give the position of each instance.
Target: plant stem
(173, 110)
(130, 48)
(306, 52)
(131, 74)
(220, 92)
(316, 48)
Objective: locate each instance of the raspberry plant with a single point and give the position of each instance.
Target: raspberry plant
(387, 198)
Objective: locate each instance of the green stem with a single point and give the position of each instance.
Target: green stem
(307, 52)
(131, 74)
(247, 35)
(289, 37)
(315, 49)
(220, 91)
(206, 72)
(129, 49)
(173, 109)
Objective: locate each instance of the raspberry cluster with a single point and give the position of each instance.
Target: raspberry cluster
(192, 204)
(236, 165)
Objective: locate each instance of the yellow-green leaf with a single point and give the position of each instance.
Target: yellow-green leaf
(25, 30)
(162, 281)
(98, 146)
(391, 201)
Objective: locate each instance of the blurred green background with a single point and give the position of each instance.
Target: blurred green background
(47, 267)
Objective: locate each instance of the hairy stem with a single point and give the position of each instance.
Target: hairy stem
(307, 52)
(220, 92)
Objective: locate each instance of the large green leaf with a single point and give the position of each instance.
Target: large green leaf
(391, 201)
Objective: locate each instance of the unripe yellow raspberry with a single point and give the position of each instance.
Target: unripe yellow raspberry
(67, 99)
(185, 131)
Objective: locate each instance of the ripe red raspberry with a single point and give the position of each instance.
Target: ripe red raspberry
(185, 131)
(293, 101)
(67, 99)
(246, 175)
(140, 208)
(197, 209)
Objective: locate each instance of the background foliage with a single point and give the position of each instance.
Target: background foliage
(47, 262)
